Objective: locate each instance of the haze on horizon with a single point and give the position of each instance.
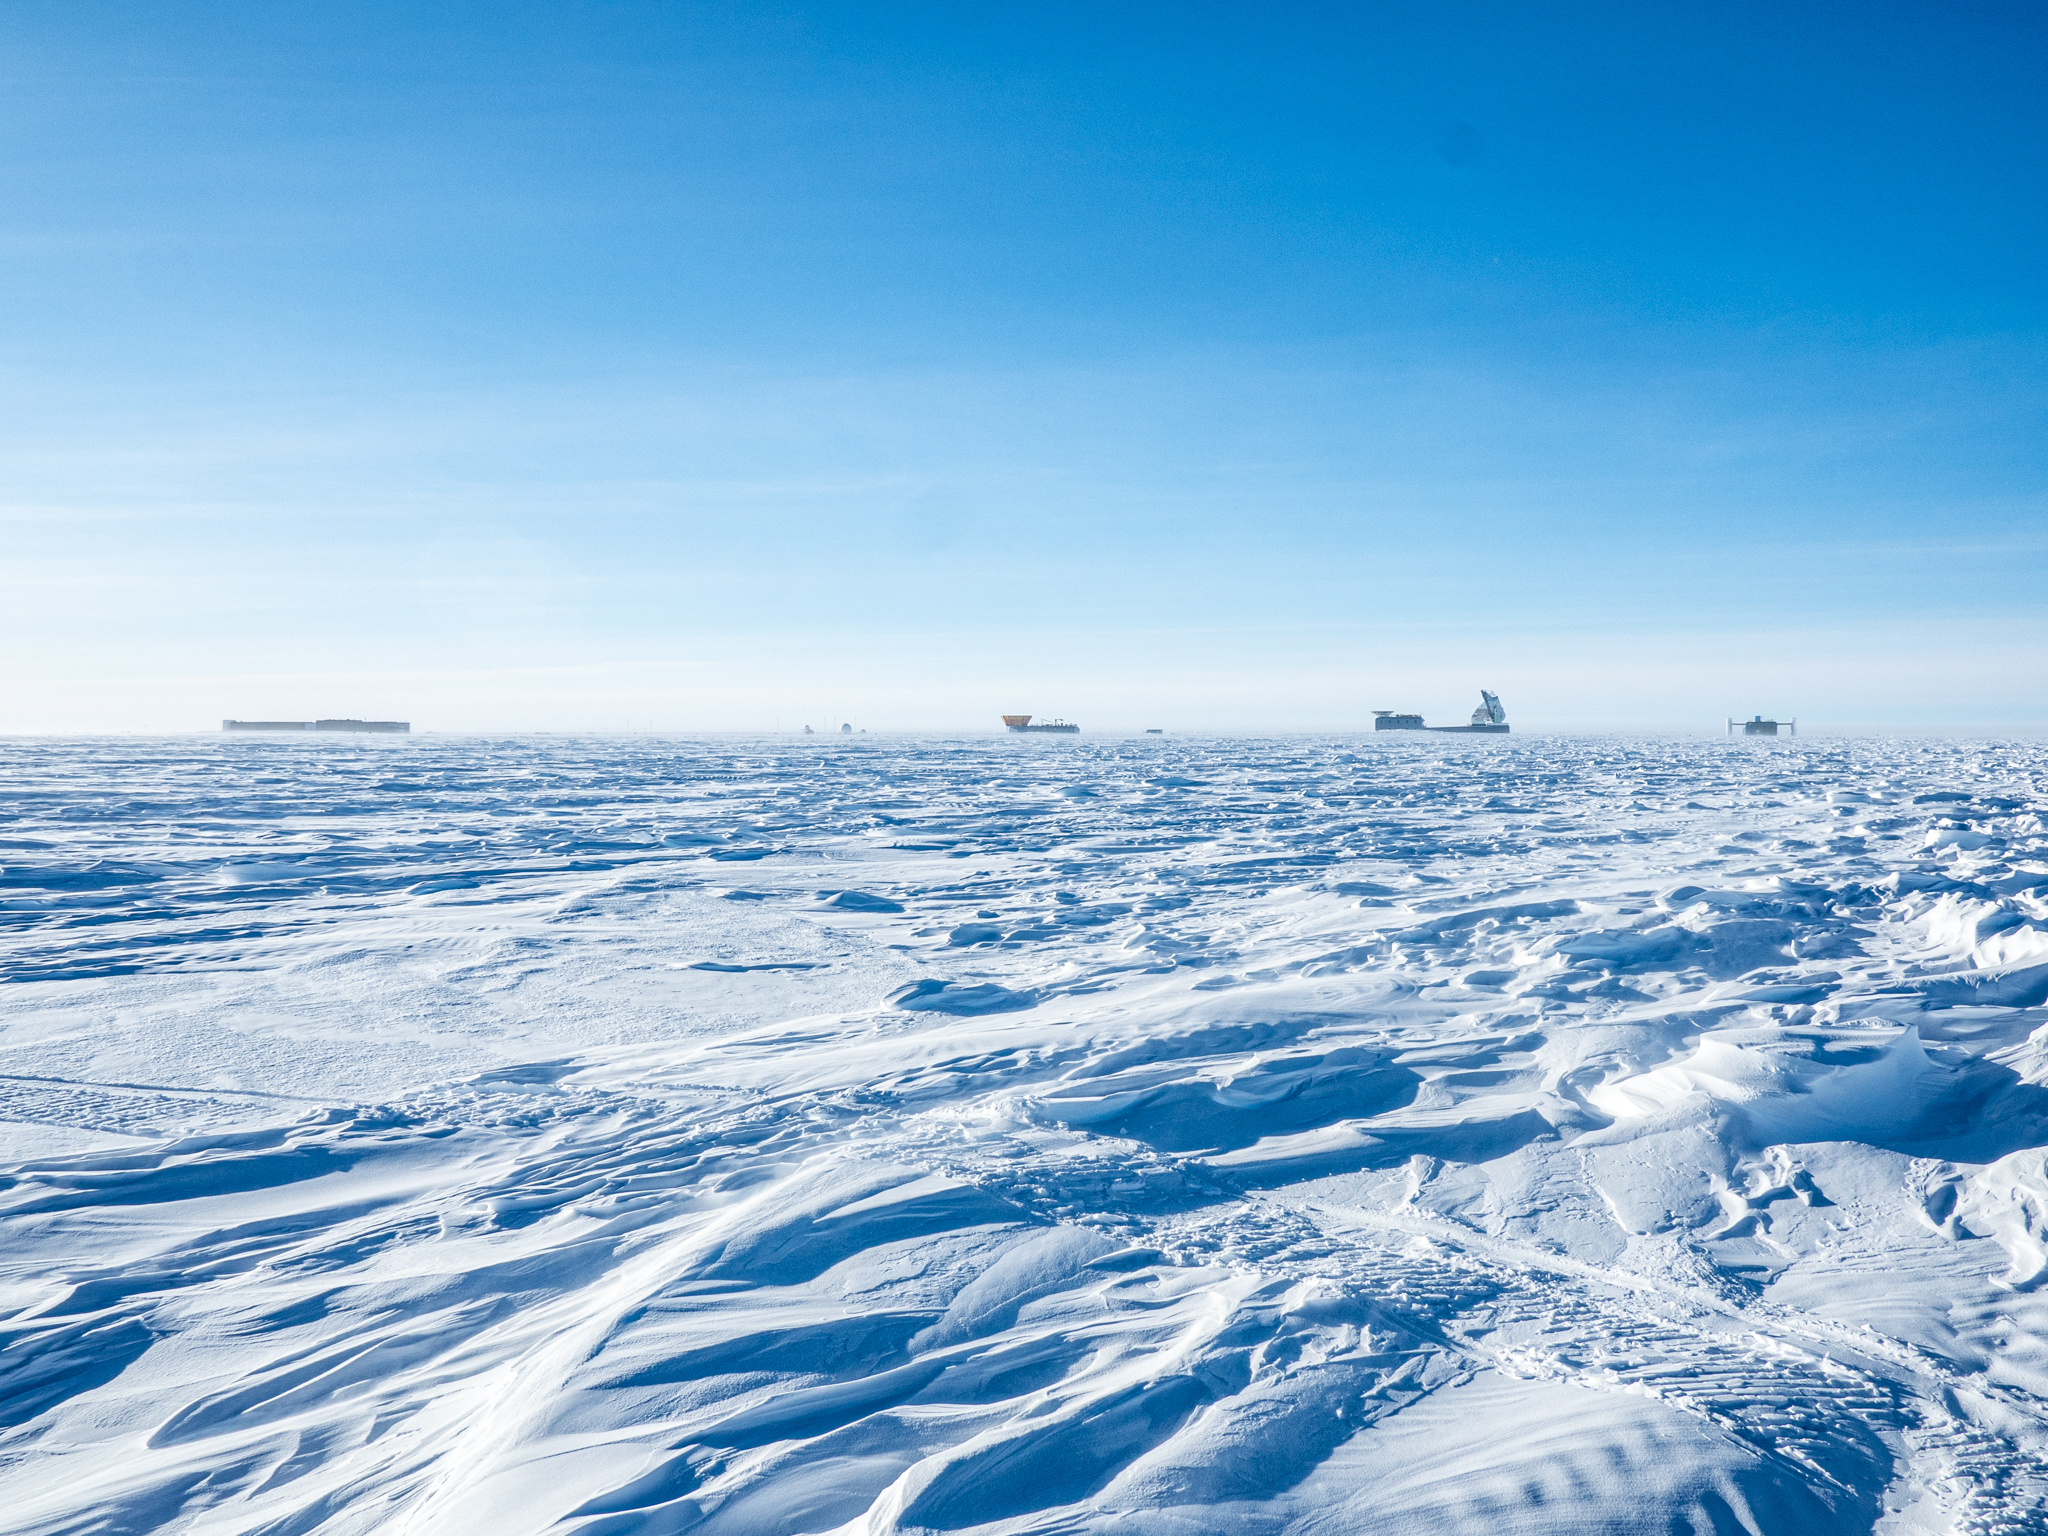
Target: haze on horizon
(526, 367)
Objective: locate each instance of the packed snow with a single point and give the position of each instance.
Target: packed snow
(1156, 1136)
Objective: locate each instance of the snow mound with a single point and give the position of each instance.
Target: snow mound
(1790, 1090)
(961, 997)
(2009, 1201)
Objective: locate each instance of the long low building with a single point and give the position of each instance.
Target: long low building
(387, 727)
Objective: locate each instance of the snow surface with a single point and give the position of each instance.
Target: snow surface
(1156, 1136)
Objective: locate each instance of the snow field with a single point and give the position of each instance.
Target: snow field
(1176, 1136)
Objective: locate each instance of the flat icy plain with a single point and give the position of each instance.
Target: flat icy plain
(1156, 1136)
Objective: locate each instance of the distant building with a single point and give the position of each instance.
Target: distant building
(846, 730)
(381, 727)
(1759, 726)
(1489, 719)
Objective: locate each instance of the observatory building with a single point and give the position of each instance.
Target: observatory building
(1055, 727)
(1489, 719)
(1759, 726)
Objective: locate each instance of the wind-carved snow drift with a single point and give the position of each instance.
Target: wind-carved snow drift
(1168, 1136)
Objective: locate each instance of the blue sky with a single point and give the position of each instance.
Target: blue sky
(703, 367)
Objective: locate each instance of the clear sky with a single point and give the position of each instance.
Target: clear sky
(562, 366)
